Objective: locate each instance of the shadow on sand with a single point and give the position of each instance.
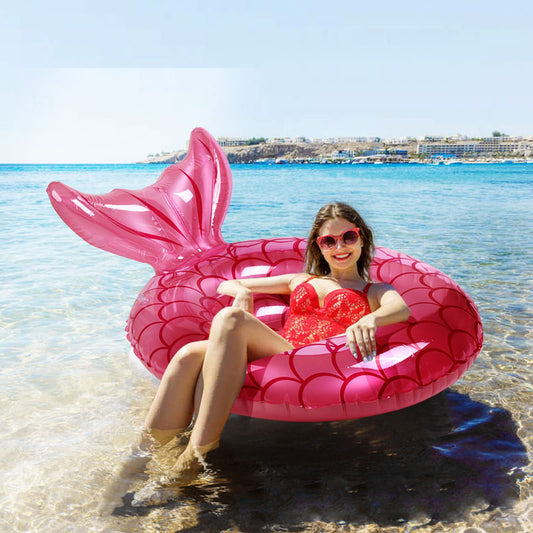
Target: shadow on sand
(435, 461)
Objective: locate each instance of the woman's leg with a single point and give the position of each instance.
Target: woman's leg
(236, 337)
(173, 404)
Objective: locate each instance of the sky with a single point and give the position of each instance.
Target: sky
(114, 81)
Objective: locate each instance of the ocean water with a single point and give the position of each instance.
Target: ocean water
(73, 399)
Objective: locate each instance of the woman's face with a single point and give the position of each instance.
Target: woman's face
(342, 257)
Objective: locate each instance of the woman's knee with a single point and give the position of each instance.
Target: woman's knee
(190, 356)
(229, 319)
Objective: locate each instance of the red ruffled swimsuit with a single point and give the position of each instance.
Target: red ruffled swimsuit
(308, 322)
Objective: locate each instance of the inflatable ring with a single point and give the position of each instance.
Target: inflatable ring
(174, 225)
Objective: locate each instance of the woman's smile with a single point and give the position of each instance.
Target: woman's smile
(341, 257)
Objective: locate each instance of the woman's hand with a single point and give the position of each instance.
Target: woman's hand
(387, 307)
(362, 334)
(242, 290)
(244, 299)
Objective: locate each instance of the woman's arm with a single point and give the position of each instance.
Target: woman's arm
(243, 289)
(388, 308)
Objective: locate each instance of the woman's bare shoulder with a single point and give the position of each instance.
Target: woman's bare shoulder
(380, 293)
(379, 287)
(297, 279)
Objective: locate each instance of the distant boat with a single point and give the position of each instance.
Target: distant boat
(280, 161)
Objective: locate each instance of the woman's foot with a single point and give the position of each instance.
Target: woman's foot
(190, 463)
(184, 472)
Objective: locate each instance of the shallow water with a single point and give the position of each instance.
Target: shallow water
(73, 401)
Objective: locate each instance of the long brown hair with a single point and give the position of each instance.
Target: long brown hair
(315, 263)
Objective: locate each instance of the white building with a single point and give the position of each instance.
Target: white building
(488, 146)
(397, 141)
(232, 141)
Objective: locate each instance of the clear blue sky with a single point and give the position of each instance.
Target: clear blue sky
(95, 81)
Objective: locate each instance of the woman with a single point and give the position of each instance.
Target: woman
(331, 297)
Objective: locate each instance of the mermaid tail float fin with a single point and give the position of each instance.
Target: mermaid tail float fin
(164, 224)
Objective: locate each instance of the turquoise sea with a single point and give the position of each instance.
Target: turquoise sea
(73, 399)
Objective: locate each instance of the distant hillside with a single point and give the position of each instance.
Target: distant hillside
(292, 151)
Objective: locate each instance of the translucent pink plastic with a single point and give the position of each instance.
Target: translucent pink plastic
(174, 225)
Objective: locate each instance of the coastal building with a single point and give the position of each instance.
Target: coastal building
(384, 151)
(437, 148)
(345, 140)
(288, 140)
(232, 141)
(458, 137)
(398, 141)
(431, 138)
(342, 154)
(486, 146)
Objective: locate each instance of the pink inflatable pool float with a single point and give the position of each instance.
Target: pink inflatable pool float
(174, 225)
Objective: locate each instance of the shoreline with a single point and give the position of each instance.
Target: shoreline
(410, 162)
(340, 154)
(480, 161)
(405, 162)
(430, 150)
